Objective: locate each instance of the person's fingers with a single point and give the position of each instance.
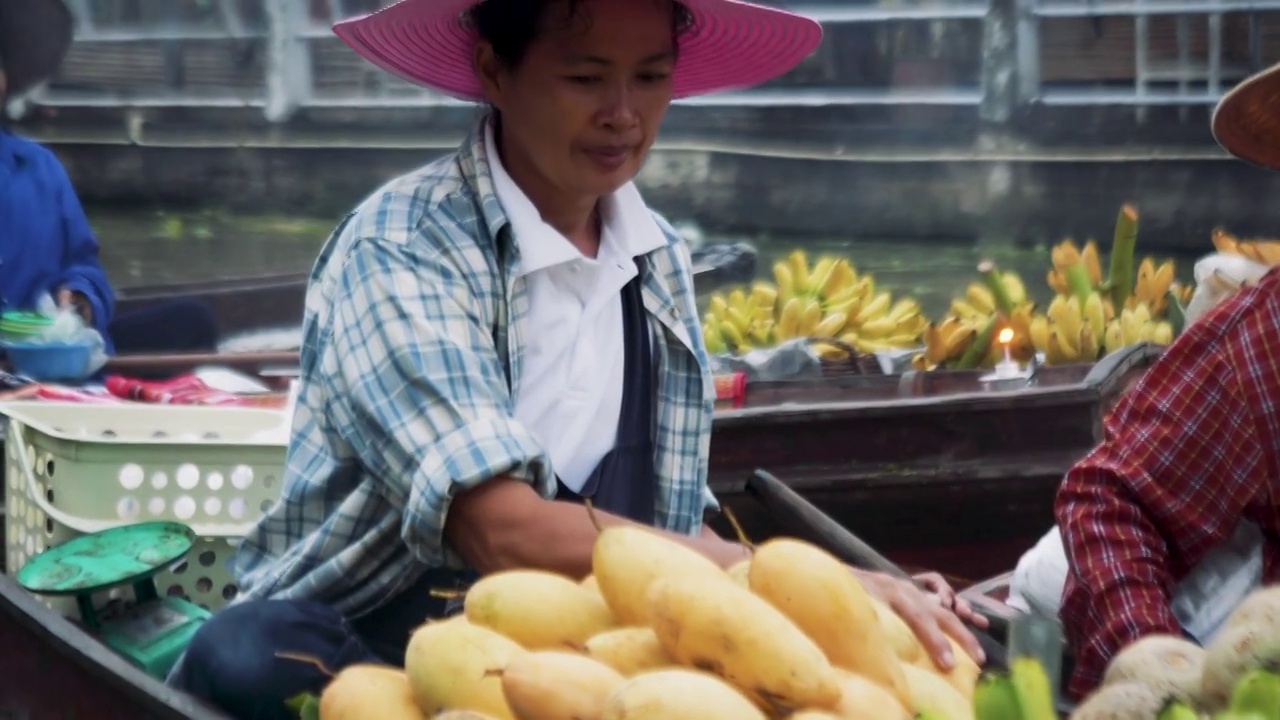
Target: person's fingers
(921, 615)
(966, 613)
(953, 626)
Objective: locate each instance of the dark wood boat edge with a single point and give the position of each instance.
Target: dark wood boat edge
(52, 634)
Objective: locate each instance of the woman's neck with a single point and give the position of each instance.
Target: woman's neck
(575, 217)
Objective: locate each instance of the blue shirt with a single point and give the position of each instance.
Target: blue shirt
(414, 337)
(45, 240)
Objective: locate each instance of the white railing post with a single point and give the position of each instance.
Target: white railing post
(288, 82)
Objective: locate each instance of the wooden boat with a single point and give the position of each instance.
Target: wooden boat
(935, 469)
(940, 469)
(56, 668)
(247, 304)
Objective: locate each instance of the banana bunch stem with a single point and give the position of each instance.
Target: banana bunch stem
(1078, 281)
(995, 283)
(1123, 245)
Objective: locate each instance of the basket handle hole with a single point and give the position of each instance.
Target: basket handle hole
(207, 558)
(48, 493)
(48, 471)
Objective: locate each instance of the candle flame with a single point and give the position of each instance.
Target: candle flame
(1006, 336)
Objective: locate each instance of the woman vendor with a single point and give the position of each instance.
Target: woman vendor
(497, 335)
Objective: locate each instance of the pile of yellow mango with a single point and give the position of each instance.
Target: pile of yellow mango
(659, 632)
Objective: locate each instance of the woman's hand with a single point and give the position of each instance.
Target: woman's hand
(937, 586)
(925, 615)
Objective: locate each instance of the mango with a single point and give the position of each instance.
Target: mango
(862, 699)
(707, 623)
(448, 666)
(556, 684)
(678, 694)
(932, 693)
(537, 609)
(900, 636)
(630, 651)
(626, 560)
(360, 691)
(821, 596)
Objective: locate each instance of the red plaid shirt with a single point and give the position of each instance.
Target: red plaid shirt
(1192, 449)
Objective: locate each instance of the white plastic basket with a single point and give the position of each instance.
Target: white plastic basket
(74, 468)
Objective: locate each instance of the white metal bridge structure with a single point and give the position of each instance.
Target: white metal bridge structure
(280, 57)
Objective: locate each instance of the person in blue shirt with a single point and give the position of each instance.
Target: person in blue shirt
(46, 244)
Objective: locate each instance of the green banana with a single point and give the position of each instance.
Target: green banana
(1031, 682)
(995, 698)
(1257, 693)
(1176, 709)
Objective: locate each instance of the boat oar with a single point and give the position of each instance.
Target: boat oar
(788, 506)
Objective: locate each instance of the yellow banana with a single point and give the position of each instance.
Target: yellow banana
(1071, 317)
(1144, 286)
(903, 340)
(711, 338)
(738, 319)
(1014, 287)
(1040, 333)
(1114, 339)
(932, 345)
(1096, 317)
(1057, 282)
(873, 309)
(810, 317)
(920, 362)
(761, 333)
(789, 320)
(1055, 353)
(880, 327)
(904, 309)
(1088, 341)
(1162, 333)
(821, 273)
(1032, 687)
(830, 325)
(954, 345)
(1160, 286)
(764, 295)
(738, 299)
(732, 337)
(1065, 255)
(842, 276)
(784, 281)
(980, 298)
(799, 271)
(719, 308)
(1092, 264)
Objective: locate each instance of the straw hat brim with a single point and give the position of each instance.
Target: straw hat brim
(34, 38)
(1246, 122)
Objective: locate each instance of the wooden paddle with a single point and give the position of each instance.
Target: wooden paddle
(793, 510)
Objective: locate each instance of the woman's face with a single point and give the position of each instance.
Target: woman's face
(583, 107)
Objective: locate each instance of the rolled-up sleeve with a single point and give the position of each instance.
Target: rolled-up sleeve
(421, 388)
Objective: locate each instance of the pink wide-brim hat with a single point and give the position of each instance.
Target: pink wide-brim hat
(729, 45)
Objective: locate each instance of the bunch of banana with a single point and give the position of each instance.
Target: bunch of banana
(1065, 255)
(1022, 694)
(1134, 325)
(740, 321)
(966, 337)
(1152, 286)
(1071, 330)
(1265, 252)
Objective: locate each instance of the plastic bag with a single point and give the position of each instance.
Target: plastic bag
(792, 360)
(1218, 277)
(69, 327)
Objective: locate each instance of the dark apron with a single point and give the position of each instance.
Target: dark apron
(623, 483)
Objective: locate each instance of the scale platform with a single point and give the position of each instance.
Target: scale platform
(155, 631)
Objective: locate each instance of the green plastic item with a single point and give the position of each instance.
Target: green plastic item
(154, 632)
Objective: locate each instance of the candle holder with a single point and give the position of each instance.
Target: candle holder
(1007, 368)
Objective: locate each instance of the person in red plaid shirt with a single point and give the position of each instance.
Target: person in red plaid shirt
(1189, 454)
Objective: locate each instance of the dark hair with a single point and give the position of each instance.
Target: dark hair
(511, 26)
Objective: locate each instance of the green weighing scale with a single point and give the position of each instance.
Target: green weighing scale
(156, 630)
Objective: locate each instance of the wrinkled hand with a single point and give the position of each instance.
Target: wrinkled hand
(929, 619)
(70, 298)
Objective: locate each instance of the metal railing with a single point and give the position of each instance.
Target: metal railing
(281, 56)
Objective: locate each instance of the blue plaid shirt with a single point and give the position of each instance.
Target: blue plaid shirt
(412, 346)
